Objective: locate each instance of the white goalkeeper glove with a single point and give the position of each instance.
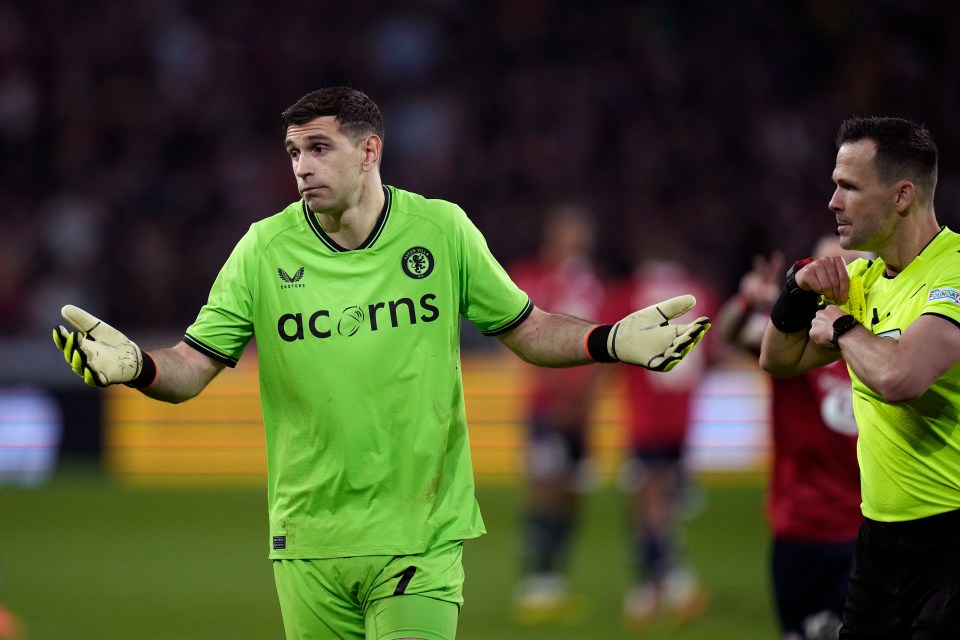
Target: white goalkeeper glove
(646, 338)
(100, 354)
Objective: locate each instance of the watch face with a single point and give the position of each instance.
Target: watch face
(844, 324)
(840, 326)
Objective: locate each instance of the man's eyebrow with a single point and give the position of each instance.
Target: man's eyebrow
(313, 137)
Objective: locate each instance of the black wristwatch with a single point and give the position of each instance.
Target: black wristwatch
(840, 326)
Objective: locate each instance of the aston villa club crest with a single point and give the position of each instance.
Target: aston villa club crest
(417, 262)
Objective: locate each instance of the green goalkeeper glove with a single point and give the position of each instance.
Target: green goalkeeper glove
(100, 354)
(646, 338)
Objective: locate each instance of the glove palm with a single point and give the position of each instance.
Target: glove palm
(97, 352)
(646, 337)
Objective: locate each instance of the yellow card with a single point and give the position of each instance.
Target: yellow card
(856, 304)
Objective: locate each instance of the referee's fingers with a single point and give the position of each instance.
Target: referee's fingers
(829, 277)
(842, 290)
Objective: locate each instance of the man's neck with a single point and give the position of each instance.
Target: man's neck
(351, 227)
(911, 243)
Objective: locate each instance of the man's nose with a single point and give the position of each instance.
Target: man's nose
(835, 204)
(302, 167)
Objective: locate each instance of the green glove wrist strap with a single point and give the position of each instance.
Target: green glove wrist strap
(596, 344)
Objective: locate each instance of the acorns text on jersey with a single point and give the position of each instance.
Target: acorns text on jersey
(322, 324)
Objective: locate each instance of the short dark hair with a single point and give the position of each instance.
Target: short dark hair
(356, 113)
(904, 149)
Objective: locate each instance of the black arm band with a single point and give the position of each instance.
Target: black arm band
(795, 308)
(148, 373)
(597, 344)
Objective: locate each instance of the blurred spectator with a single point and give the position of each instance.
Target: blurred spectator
(813, 498)
(142, 113)
(657, 482)
(562, 278)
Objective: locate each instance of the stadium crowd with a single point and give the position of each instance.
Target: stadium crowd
(142, 138)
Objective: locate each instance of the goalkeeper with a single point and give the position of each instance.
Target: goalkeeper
(355, 293)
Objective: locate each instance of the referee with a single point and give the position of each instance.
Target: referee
(895, 320)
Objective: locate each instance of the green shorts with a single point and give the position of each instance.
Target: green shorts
(373, 597)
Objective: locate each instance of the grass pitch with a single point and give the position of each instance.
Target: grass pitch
(85, 559)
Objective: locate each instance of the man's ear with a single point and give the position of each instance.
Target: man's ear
(372, 151)
(905, 194)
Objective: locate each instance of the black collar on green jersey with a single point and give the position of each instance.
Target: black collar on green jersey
(938, 234)
(314, 224)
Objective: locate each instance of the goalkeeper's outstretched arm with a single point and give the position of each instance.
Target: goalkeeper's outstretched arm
(550, 339)
(182, 373)
(644, 338)
(103, 356)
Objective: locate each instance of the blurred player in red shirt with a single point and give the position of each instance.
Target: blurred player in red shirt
(656, 481)
(563, 278)
(813, 499)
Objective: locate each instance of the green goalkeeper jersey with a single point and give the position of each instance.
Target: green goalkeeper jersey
(910, 452)
(359, 368)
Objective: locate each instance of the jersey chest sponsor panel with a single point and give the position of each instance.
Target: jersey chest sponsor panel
(352, 303)
(910, 452)
(355, 347)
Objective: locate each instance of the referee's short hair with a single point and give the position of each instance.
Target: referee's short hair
(905, 149)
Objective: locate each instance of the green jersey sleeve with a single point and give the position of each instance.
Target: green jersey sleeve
(489, 298)
(224, 325)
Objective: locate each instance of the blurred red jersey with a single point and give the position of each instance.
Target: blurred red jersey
(659, 404)
(814, 494)
(573, 288)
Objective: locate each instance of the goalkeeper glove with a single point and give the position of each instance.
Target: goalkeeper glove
(646, 338)
(100, 354)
